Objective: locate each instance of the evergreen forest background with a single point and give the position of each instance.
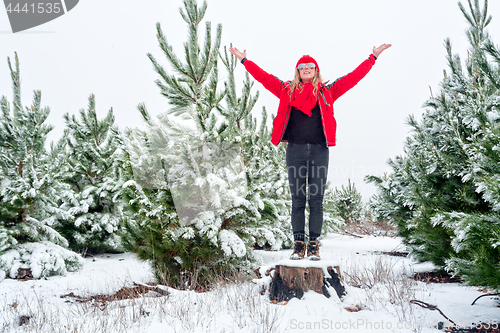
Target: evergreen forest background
(197, 188)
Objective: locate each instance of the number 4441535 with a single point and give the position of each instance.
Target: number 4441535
(41, 8)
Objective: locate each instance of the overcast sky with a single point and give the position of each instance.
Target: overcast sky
(100, 47)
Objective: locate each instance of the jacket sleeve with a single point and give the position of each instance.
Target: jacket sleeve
(343, 84)
(270, 82)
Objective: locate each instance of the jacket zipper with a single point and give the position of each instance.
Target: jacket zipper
(286, 122)
(322, 119)
(324, 99)
(286, 119)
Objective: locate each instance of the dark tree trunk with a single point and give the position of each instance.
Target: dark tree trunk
(289, 282)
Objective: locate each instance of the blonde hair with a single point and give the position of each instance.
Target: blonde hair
(297, 81)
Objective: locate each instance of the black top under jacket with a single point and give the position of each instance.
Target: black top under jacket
(304, 129)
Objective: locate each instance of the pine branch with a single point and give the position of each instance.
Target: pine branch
(486, 19)
(492, 50)
(16, 85)
(167, 50)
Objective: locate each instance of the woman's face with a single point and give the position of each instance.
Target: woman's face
(307, 74)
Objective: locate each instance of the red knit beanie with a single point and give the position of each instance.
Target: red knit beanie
(306, 59)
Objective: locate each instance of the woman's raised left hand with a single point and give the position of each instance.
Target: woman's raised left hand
(240, 55)
(380, 49)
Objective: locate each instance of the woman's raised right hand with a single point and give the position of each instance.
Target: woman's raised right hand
(240, 55)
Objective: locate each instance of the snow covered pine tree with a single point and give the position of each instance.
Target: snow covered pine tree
(29, 191)
(347, 202)
(206, 190)
(93, 203)
(449, 180)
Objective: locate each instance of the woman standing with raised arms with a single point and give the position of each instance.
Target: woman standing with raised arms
(306, 121)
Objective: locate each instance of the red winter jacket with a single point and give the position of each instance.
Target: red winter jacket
(328, 94)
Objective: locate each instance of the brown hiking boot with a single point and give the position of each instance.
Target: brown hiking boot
(299, 250)
(313, 250)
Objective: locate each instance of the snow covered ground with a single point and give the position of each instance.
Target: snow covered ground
(383, 296)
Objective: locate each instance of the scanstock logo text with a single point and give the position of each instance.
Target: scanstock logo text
(26, 14)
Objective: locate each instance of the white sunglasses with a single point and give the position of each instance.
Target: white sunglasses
(310, 65)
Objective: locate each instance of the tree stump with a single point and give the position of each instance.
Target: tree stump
(290, 281)
(24, 273)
